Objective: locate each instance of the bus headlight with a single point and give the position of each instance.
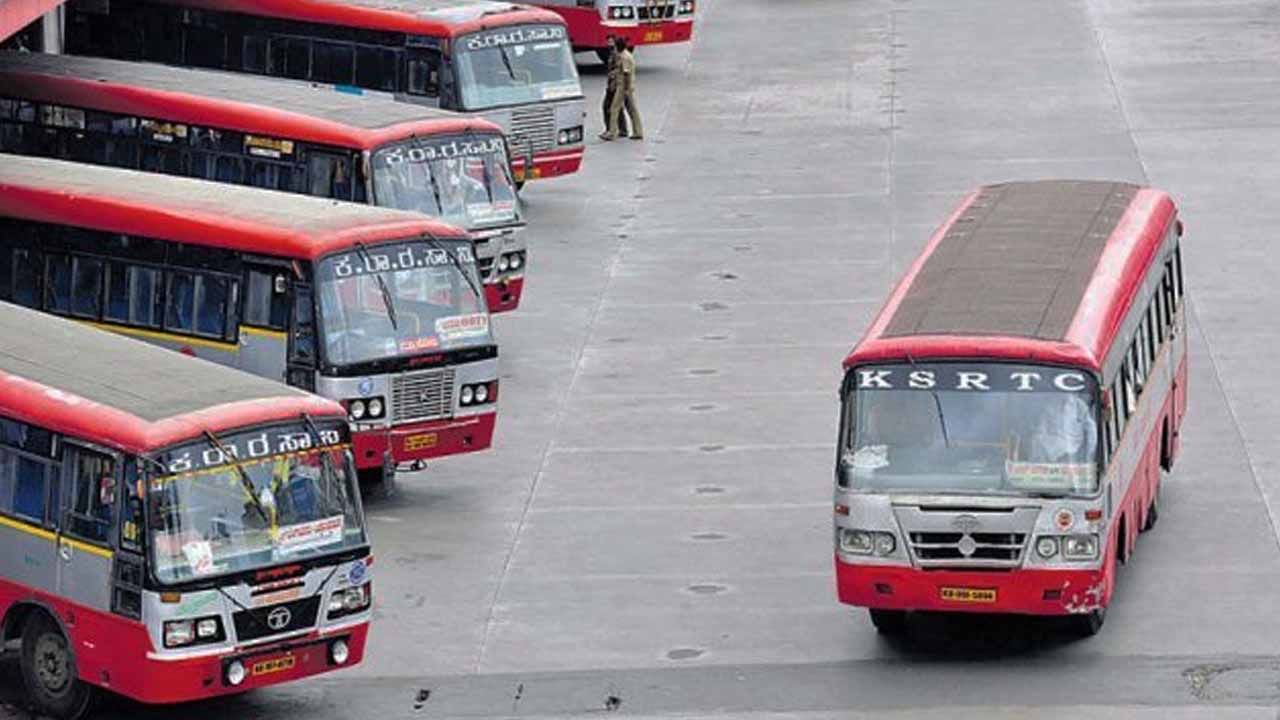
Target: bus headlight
(1047, 547)
(350, 600)
(178, 633)
(207, 629)
(686, 7)
(517, 260)
(570, 135)
(478, 394)
(467, 395)
(481, 393)
(375, 407)
(504, 263)
(865, 542)
(1080, 547)
(356, 409)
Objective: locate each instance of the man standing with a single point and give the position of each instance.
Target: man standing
(625, 94)
(611, 87)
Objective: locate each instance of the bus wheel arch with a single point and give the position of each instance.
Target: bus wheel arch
(48, 666)
(1166, 447)
(1122, 541)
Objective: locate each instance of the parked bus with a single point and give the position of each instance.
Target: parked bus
(1007, 416)
(510, 63)
(273, 134)
(642, 22)
(380, 309)
(173, 529)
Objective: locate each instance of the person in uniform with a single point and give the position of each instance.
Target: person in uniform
(625, 95)
(611, 88)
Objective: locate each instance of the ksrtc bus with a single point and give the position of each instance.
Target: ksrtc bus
(380, 309)
(510, 63)
(1007, 416)
(173, 529)
(272, 134)
(642, 22)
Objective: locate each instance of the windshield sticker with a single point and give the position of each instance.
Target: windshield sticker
(1015, 379)
(419, 344)
(459, 327)
(267, 147)
(400, 257)
(199, 555)
(310, 535)
(1050, 475)
(424, 152)
(515, 36)
(871, 457)
(559, 91)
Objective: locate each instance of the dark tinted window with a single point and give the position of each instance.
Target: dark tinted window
(57, 295)
(229, 169)
(375, 68)
(86, 299)
(133, 295)
(156, 158)
(290, 57)
(211, 303)
(332, 63)
(206, 47)
(181, 302)
(255, 54)
(27, 274)
(263, 306)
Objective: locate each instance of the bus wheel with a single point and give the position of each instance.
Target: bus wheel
(49, 671)
(889, 622)
(1153, 513)
(1088, 624)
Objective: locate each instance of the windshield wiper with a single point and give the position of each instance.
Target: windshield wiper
(325, 460)
(506, 61)
(382, 287)
(431, 178)
(435, 243)
(937, 402)
(245, 482)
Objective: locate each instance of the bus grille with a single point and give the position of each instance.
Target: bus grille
(533, 129)
(257, 623)
(422, 395)
(943, 549)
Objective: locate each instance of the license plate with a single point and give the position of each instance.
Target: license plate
(967, 595)
(420, 442)
(653, 36)
(274, 665)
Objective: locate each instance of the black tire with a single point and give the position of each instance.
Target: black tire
(889, 622)
(373, 483)
(49, 671)
(1153, 513)
(519, 185)
(1088, 624)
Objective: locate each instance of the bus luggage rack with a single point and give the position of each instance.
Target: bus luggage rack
(276, 619)
(422, 395)
(532, 128)
(954, 549)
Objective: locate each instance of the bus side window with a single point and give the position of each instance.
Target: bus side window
(1179, 282)
(266, 301)
(57, 282)
(254, 58)
(25, 460)
(376, 68)
(158, 158)
(27, 275)
(229, 169)
(289, 57)
(180, 302)
(423, 73)
(1157, 320)
(1117, 413)
(329, 176)
(90, 511)
(205, 47)
(302, 336)
(86, 287)
(133, 295)
(332, 63)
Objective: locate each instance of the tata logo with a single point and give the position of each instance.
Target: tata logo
(966, 523)
(279, 618)
(365, 387)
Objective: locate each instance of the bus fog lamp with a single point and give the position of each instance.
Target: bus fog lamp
(339, 653)
(1080, 547)
(1047, 547)
(235, 672)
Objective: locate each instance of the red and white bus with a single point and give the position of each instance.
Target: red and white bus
(1007, 416)
(173, 529)
(510, 63)
(642, 22)
(272, 134)
(380, 309)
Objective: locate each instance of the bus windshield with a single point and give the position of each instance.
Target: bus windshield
(971, 428)
(465, 182)
(290, 497)
(515, 66)
(400, 299)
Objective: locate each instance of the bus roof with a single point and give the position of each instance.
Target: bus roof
(435, 18)
(199, 211)
(235, 101)
(1026, 271)
(127, 394)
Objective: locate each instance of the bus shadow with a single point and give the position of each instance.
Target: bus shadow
(970, 637)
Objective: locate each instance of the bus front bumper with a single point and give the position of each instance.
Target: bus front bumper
(423, 441)
(1019, 591)
(504, 295)
(667, 31)
(182, 680)
(548, 164)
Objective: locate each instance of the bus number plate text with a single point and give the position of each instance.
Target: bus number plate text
(420, 442)
(967, 595)
(274, 665)
(653, 36)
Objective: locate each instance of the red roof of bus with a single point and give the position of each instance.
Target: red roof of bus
(199, 211)
(1089, 319)
(247, 103)
(435, 18)
(126, 394)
